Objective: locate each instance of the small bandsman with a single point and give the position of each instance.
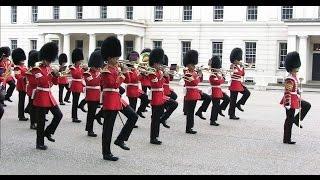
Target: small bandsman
(292, 97)
(63, 79)
(216, 79)
(7, 66)
(18, 58)
(237, 84)
(168, 77)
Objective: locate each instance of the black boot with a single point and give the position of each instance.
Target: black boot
(121, 144)
(76, 120)
(140, 114)
(239, 107)
(23, 119)
(221, 114)
(62, 103)
(110, 157)
(200, 115)
(155, 141)
(48, 136)
(82, 108)
(92, 134)
(191, 131)
(289, 142)
(234, 117)
(214, 123)
(42, 147)
(33, 126)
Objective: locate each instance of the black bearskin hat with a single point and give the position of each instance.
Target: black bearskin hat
(77, 55)
(111, 47)
(215, 62)
(236, 54)
(292, 61)
(145, 50)
(33, 58)
(5, 51)
(18, 55)
(97, 49)
(133, 56)
(63, 58)
(95, 59)
(32, 51)
(191, 57)
(49, 52)
(165, 60)
(156, 56)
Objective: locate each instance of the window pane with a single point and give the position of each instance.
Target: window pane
(103, 12)
(14, 44)
(286, 12)
(158, 14)
(187, 12)
(33, 44)
(79, 12)
(282, 54)
(157, 44)
(34, 13)
(13, 14)
(217, 12)
(186, 46)
(129, 12)
(250, 53)
(56, 12)
(252, 12)
(128, 48)
(217, 49)
(79, 44)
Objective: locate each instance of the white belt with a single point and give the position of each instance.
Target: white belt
(294, 93)
(218, 86)
(79, 80)
(93, 87)
(166, 84)
(191, 87)
(133, 84)
(44, 89)
(237, 79)
(110, 90)
(156, 89)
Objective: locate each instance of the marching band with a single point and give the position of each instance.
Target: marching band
(101, 81)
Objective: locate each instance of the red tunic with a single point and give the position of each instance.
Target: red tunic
(93, 87)
(157, 95)
(111, 81)
(20, 74)
(77, 83)
(192, 91)
(145, 81)
(63, 79)
(7, 64)
(31, 83)
(291, 94)
(216, 81)
(166, 86)
(132, 81)
(237, 78)
(43, 96)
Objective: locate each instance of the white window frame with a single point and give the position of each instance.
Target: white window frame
(79, 14)
(288, 8)
(154, 44)
(31, 45)
(103, 12)
(252, 15)
(279, 54)
(182, 48)
(34, 13)
(183, 13)
(56, 12)
(160, 11)
(11, 44)
(14, 14)
(129, 11)
(218, 54)
(245, 53)
(215, 13)
(128, 49)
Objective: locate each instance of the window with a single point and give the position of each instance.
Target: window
(252, 13)
(128, 47)
(13, 14)
(185, 46)
(187, 13)
(33, 44)
(79, 44)
(103, 12)
(158, 13)
(14, 44)
(217, 12)
(286, 12)
(34, 13)
(56, 12)
(129, 12)
(250, 53)
(157, 44)
(282, 54)
(316, 47)
(78, 12)
(99, 44)
(217, 49)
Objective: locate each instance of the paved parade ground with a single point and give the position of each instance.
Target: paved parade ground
(252, 145)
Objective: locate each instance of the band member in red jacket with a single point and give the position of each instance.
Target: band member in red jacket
(216, 79)
(43, 99)
(237, 85)
(19, 57)
(111, 79)
(77, 83)
(93, 81)
(145, 82)
(132, 86)
(291, 99)
(6, 64)
(63, 79)
(166, 86)
(31, 86)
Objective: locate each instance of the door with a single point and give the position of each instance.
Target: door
(316, 67)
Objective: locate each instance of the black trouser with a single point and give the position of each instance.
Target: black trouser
(145, 88)
(143, 103)
(170, 105)
(92, 108)
(132, 118)
(1, 111)
(31, 110)
(206, 102)
(305, 107)
(10, 90)
(189, 109)
(233, 100)
(67, 97)
(173, 95)
(22, 97)
(217, 107)
(41, 116)
(75, 101)
(157, 112)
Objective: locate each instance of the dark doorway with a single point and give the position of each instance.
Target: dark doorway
(316, 67)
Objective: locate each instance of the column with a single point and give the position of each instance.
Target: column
(303, 52)
(137, 44)
(142, 43)
(92, 43)
(66, 46)
(41, 41)
(292, 43)
(121, 39)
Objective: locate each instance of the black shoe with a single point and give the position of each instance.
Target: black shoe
(234, 117)
(298, 125)
(33, 126)
(98, 120)
(82, 108)
(155, 141)
(42, 147)
(62, 103)
(239, 107)
(221, 114)
(23, 119)
(200, 115)
(67, 101)
(27, 111)
(214, 124)
(190, 131)
(140, 114)
(121, 144)
(165, 125)
(92, 134)
(76, 120)
(289, 142)
(110, 157)
(48, 136)
(135, 126)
